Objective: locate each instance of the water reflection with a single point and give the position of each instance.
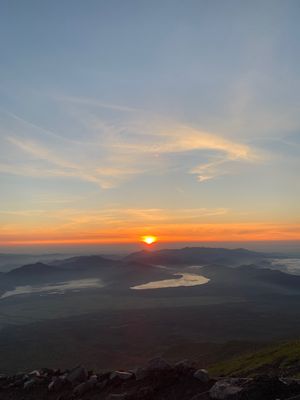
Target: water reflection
(58, 288)
(184, 280)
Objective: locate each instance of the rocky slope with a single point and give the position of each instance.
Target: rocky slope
(277, 359)
(157, 380)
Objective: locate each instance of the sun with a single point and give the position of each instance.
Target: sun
(149, 239)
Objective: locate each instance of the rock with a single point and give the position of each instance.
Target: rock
(143, 393)
(21, 377)
(140, 373)
(77, 375)
(264, 387)
(84, 387)
(56, 384)
(154, 365)
(102, 385)
(225, 388)
(35, 373)
(185, 368)
(117, 396)
(200, 396)
(29, 384)
(65, 396)
(18, 383)
(184, 365)
(58, 372)
(93, 379)
(201, 375)
(157, 363)
(123, 375)
(47, 372)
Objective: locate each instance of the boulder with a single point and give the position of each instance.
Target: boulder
(102, 385)
(153, 366)
(143, 393)
(30, 384)
(93, 379)
(184, 365)
(35, 373)
(264, 387)
(157, 363)
(21, 377)
(201, 375)
(261, 387)
(123, 375)
(226, 389)
(77, 375)
(84, 387)
(140, 373)
(18, 382)
(56, 384)
(47, 372)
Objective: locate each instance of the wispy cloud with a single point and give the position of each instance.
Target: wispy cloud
(119, 215)
(113, 151)
(210, 170)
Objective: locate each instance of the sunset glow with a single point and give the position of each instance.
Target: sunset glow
(149, 239)
(83, 232)
(186, 139)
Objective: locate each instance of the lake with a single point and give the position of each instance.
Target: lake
(58, 288)
(185, 279)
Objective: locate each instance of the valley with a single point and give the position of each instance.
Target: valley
(88, 303)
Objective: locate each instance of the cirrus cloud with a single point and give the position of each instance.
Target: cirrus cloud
(110, 152)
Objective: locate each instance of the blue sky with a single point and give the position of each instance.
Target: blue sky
(167, 117)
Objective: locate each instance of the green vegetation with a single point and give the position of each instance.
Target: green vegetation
(283, 359)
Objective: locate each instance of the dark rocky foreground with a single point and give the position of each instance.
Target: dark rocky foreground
(158, 380)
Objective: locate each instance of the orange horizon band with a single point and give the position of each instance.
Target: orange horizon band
(131, 241)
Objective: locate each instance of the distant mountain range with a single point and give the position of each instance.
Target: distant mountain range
(113, 325)
(197, 256)
(239, 269)
(10, 261)
(112, 272)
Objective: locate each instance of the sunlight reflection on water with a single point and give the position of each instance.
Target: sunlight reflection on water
(184, 280)
(58, 288)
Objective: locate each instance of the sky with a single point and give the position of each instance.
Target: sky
(120, 119)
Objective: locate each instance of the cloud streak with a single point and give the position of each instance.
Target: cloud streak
(116, 151)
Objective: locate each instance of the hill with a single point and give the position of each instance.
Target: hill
(278, 359)
(251, 277)
(197, 256)
(83, 262)
(10, 261)
(112, 272)
(32, 270)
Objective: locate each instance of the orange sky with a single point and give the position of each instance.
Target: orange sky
(165, 233)
(181, 124)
